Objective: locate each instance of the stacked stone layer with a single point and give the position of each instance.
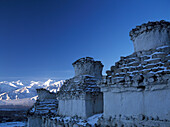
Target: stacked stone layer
(130, 88)
(76, 87)
(80, 95)
(44, 107)
(85, 60)
(140, 69)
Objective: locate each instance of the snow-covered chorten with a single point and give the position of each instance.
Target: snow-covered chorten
(80, 95)
(136, 89)
(88, 66)
(150, 35)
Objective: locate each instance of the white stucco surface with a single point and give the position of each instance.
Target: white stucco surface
(94, 105)
(151, 40)
(34, 121)
(150, 103)
(81, 107)
(72, 107)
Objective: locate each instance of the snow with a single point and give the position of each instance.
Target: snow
(166, 46)
(34, 83)
(34, 98)
(93, 119)
(13, 124)
(152, 59)
(13, 89)
(12, 84)
(88, 76)
(158, 53)
(7, 97)
(118, 77)
(54, 90)
(18, 83)
(47, 83)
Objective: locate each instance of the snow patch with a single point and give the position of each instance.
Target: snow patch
(13, 124)
(93, 119)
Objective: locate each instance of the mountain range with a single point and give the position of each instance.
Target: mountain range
(17, 93)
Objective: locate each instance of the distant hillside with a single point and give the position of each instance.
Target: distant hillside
(15, 93)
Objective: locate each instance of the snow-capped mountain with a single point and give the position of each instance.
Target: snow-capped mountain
(10, 86)
(17, 90)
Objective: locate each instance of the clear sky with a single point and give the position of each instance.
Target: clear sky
(40, 39)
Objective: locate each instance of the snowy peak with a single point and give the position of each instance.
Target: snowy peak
(6, 86)
(17, 90)
(18, 83)
(48, 82)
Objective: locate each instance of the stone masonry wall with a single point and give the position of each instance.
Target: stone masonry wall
(87, 66)
(137, 90)
(44, 94)
(141, 68)
(80, 95)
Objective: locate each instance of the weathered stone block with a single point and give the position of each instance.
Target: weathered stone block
(45, 94)
(113, 68)
(87, 66)
(149, 66)
(167, 64)
(109, 73)
(159, 55)
(145, 58)
(165, 59)
(156, 60)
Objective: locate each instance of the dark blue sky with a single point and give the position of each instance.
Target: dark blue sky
(40, 39)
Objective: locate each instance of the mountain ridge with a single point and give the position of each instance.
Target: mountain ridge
(16, 93)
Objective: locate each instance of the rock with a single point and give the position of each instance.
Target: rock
(134, 63)
(151, 80)
(159, 55)
(151, 118)
(113, 68)
(167, 64)
(145, 58)
(109, 73)
(75, 125)
(88, 125)
(127, 78)
(141, 117)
